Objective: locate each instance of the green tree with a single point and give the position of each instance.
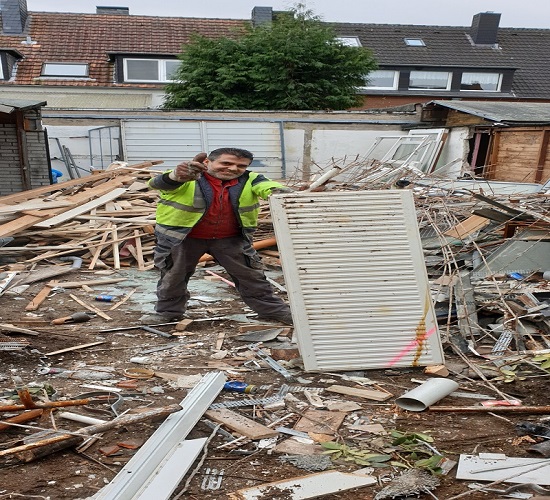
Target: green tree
(295, 63)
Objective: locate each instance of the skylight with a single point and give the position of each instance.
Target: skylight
(351, 41)
(415, 42)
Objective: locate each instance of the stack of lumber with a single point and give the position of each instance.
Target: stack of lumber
(107, 219)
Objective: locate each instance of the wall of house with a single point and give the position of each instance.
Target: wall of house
(12, 159)
(10, 164)
(453, 157)
(311, 141)
(520, 154)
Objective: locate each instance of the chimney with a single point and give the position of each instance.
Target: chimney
(14, 16)
(484, 28)
(118, 11)
(261, 15)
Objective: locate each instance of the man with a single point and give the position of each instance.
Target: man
(211, 205)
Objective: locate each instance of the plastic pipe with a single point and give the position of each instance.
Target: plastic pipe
(423, 396)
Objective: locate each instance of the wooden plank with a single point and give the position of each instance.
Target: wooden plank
(33, 205)
(34, 193)
(26, 221)
(86, 207)
(116, 255)
(40, 297)
(78, 284)
(320, 421)
(467, 227)
(75, 347)
(240, 424)
(139, 250)
(90, 308)
(98, 250)
(118, 304)
(359, 393)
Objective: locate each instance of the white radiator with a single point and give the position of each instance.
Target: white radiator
(356, 279)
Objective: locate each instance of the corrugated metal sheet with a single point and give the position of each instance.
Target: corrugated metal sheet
(356, 280)
(175, 141)
(170, 141)
(512, 112)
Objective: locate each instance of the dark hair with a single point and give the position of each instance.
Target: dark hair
(239, 153)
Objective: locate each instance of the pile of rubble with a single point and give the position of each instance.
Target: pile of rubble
(251, 422)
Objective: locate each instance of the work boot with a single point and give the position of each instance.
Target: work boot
(157, 318)
(285, 319)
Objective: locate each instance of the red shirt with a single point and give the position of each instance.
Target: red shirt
(220, 220)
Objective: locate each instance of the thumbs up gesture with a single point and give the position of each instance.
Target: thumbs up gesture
(191, 170)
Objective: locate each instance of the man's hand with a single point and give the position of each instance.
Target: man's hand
(189, 171)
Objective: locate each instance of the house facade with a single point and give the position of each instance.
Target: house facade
(114, 60)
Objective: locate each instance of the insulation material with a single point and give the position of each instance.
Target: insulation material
(356, 279)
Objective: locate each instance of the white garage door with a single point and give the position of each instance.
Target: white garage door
(174, 141)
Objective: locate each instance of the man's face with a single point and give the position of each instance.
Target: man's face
(227, 167)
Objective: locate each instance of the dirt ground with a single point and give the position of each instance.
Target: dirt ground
(67, 474)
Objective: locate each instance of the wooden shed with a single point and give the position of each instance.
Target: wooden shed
(508, 141)
(24, 158)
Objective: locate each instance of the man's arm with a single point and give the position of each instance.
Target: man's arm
(184, 172)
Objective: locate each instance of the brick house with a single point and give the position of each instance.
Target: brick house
(112, 60)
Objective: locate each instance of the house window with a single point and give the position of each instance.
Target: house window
(150, 70)
(414, 42)
(71, 70)
(350, 41)
(488, 82)
(382, 79)
(430, 80)
(2, 77)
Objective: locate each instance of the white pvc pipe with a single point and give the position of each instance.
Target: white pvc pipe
(425, 395)
(80, 418)
(333, 172)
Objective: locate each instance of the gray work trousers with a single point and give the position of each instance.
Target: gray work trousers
(239, 259)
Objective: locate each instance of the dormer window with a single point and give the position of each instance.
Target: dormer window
(414, 42)
(488, 82)
(150, 70)
(64, 70)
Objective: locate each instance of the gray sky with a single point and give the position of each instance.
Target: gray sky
(515, 13)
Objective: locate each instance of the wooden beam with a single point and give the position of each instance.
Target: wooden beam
(241, 424)
(41, 296)
(35, 193)
(86, 207)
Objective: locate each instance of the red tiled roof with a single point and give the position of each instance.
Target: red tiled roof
(89, 38)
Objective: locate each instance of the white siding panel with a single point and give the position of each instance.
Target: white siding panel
(356, 280)
(174, 141)
(167, 140)
(263, 139)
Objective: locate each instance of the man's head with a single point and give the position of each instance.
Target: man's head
(228, 163)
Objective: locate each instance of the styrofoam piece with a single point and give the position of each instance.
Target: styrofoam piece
(426, 394)
(524, 470)
(311, 486)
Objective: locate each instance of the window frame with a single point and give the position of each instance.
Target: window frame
(498, 84)
(161, 70)
(43, 73)
(428, 89)
(395, 85)
(344, 39)
(410, 42)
